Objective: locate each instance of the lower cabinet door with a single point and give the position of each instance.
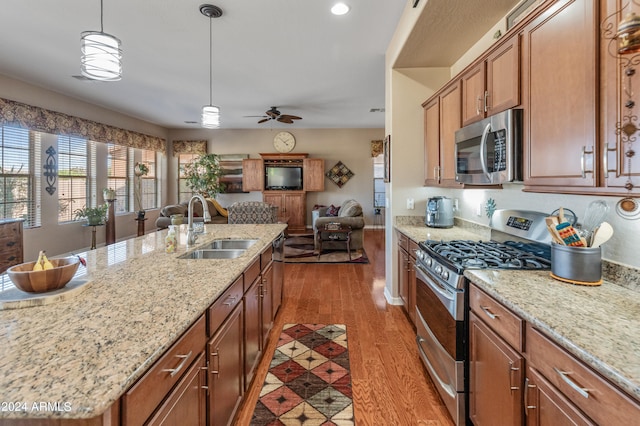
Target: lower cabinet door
(496, 377)
(266, 307)
(225, 352)
(187, 403)
(252, 331)
(546, 406)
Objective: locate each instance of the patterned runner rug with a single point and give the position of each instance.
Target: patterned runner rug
(309, 382)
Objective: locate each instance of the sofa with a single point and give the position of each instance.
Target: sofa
(218, 214)
(348, 213)
(252, 212)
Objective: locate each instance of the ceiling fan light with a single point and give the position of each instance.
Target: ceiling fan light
(340, 9)
(210, 117)
(101, 56)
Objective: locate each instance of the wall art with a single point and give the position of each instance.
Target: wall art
(50, 170)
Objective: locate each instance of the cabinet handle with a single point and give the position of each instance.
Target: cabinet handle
(10, 258)
(478, 105)
(528, 385)
(486, 310)
(486, 100)
(215, 356)
(11, 243)
(605, 159)
(512, 369)
(231, 301)
(584, 153)
(180, 366)
(564, 375)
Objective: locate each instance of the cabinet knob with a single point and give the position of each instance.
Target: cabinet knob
(11, 243)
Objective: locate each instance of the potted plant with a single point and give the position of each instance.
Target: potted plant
(202, 175)
(139, 170)
(93, 215)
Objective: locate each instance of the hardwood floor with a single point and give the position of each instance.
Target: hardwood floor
(390, 385)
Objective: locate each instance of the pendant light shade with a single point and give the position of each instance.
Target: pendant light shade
(210, 117)
(210, 113)
(101, 55)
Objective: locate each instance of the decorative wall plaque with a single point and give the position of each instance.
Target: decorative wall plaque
(51, 170)
(339, 174)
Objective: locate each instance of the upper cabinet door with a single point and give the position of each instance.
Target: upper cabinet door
(560, 91)
(492, 85)
(432, 142)
(503, 77)
(449, 124)
(253, 174)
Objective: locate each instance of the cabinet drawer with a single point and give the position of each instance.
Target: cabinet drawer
(265, 257)
(251, 273)
(142, 399)
(403, 241)
(500, 319)
(595, 396)
(222, 307)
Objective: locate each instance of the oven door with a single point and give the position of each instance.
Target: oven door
(441, 341)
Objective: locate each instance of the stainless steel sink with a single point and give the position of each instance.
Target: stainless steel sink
(234, 243)
(213, 254)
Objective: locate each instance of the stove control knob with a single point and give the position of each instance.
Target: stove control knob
(445, 274)
(429, 261)
(438, 269)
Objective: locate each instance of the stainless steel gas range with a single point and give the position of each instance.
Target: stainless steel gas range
(519, 240)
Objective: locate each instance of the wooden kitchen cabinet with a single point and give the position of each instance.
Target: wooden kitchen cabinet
(546, 406)
(11, 244)
(292, 205)
(560, 88)
(496, 369)
(225, 353)
(187, 403)
(407, 275)
(493, 84)
(441, 120)
(588, 392)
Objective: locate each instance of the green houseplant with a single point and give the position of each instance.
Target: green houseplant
(202, 175)
(93, 215)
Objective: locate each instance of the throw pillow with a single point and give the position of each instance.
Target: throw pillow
(351, 208)
(167, 211)
(332, 210)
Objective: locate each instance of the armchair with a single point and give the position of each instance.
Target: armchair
(252, 212)
(349, 213)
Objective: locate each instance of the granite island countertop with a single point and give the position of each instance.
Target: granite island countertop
(85, 352)
(600, 325)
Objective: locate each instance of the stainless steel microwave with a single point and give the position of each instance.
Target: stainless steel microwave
(489, 152)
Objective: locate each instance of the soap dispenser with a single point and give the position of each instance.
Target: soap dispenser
(170, 241)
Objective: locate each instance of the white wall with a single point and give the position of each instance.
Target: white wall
(351, 146)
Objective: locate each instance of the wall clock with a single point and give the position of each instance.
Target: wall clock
(284, 142)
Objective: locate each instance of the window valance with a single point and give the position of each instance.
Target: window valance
(189, 147)
(376, 148)
(47, 121)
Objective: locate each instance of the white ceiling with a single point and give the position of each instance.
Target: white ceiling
(293, 54)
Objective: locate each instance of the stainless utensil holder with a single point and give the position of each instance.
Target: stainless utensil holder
(579, 265)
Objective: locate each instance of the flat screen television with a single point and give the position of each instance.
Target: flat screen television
(283, 178)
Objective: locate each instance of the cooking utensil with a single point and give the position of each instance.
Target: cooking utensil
(602, 234)
(569, 235)
(569, 215)
(595, 214)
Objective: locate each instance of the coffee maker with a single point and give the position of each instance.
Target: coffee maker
(439, 212)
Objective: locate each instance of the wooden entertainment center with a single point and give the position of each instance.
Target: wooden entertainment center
(292, 203)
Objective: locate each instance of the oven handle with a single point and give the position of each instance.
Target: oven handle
(434, 284)
(483, 150)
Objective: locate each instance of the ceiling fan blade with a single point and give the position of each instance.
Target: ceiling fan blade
(263, 120)
(285, 119)
(291, 117)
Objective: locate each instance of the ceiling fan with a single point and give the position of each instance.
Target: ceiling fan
(274, 114)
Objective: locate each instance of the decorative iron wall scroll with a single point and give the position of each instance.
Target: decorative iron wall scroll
(51, 170)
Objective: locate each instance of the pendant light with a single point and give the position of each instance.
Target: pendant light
(101, 55)
(210, 113)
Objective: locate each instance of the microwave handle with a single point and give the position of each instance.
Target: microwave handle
(483, 150)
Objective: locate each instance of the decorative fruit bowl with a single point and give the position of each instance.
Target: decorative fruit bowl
(26, 279)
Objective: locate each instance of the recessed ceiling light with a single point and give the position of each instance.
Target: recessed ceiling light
(340, 9)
